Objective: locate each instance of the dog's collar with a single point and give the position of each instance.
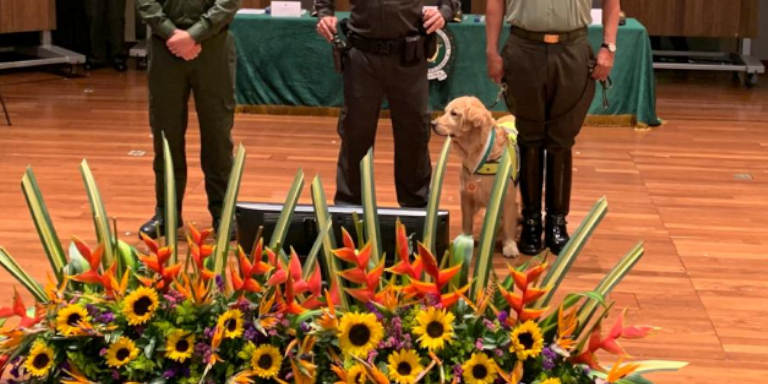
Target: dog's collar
(487, 167)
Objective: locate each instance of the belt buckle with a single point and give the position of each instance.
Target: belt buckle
(551, 39)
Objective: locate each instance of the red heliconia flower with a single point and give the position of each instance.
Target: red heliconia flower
(439, 279)
(244, 279)
(156, 262)
(20, 310)
(359, 273)
(107, 279)
(528, 294)
(610, 343)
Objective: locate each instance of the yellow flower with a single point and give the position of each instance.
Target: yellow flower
(356, 375)
(435, 328)
(552, 380)
(69, 318)
(266, 361)
(121, 352)
(180, 345)
(359, 333)
(526, 341)
(404, 366)
(140, 305)
(40, 360)
(479, 369)
(232, 323)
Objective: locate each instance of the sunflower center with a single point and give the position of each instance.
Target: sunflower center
(435, 329)
(404, 369)
(359, 335)
(526, 340)
(182, 345)
(479, 371)
(41, 361)
(141, 307)
(73, 319)
(122, 354)
(265, 362)
(230, 325)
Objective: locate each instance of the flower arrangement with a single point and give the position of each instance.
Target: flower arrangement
(116, 314)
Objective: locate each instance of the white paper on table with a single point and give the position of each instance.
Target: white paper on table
(252, 11)
(285, 9)
(597, 16)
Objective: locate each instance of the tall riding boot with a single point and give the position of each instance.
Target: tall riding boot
(558, 199)
(531, 184)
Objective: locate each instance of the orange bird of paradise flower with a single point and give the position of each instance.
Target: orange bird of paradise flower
(528, 294)
(440, 278)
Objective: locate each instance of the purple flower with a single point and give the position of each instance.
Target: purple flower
(372, 355)
(115, 374)
(208, 332)
(458, 371)
(548, 363)
(169, 373)
(489, 324)
(503, 317)
(305, 327)
(220, 282)
(105, 318)
(272, 332)
(587, 370)
(499, 352)
(103, 352)
(250, 332)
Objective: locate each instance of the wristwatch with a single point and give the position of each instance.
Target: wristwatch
(610, 47)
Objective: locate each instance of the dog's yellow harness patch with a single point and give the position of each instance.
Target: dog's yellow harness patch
(488, 167)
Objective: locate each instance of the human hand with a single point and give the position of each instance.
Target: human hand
(433, 20)
(495, 67)
(180, 42)
(326, 27)
(604, 65)
(192, 53)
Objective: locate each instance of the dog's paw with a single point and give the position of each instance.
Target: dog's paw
(510, 249)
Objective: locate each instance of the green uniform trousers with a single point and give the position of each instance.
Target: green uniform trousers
(106, 25)
(368, 79)
(211, 78)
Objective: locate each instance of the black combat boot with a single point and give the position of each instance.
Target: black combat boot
(558, 198)
(531, 184)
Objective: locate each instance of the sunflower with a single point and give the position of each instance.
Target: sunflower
(69, 318)
(479, 369)
(266, 361)
(359, 333)
(121, 352)
(435, 328)
(40, 360)
(180, 345)
(356, 375)
(140, 305)
(552, 380)
(232, 323)
(404, 366)
(527, 341)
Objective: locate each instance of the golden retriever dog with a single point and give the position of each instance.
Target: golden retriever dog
(470, 124)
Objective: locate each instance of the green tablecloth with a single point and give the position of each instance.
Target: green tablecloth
(284, 67)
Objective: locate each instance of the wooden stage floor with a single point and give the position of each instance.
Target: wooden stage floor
(695, 190)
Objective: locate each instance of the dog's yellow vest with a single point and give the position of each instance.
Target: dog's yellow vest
(488, 167)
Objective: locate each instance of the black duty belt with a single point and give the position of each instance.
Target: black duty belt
(549, 38)
(377, 46)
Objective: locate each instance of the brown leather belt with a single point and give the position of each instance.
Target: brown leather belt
(549, 38)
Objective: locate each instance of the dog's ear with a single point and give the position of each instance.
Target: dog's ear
(478, 117)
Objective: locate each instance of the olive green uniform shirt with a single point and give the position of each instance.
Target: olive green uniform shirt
(201, 18)
(549, 15)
